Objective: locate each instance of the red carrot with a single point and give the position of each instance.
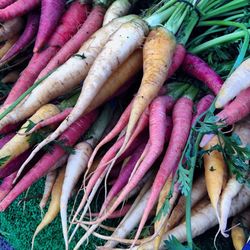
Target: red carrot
(123, 177)
(93, 23)
(18, 8)
(51, 13)
(40, 60)
(69, 137)
(204, 103)
(199, 69)
(14, 165)
(238, 109)
(5, 3)
(181, 129)
(25, 39)
(6, 185)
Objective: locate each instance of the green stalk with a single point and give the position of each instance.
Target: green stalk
(219, 40)
(70, 102)
(178, 92)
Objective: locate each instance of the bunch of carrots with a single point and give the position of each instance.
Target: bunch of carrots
(97, 99)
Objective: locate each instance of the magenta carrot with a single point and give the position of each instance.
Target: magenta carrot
(238, 109)
(5, 139)
(18, 8)
(40, 60)
(51, 13)
(14, 165)
(6, 185)
(5, 3)
(25, 39)
(123, 176)
(93, 22)
(204, 103)
(51, 121)
(69, 137)
(181, 129)
(199, 69)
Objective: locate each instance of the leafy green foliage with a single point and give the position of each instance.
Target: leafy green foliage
(173, 244)
(4, 159)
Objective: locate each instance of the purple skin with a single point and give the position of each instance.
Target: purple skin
(14, 165)
(50, 16)
(5, 139)
(199, 69)
(5, 3)
(7, 185)
(25, 39)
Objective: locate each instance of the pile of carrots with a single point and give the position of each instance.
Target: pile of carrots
(97, 99)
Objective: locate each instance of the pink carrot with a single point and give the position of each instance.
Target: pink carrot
(51, 121)
(5, 3)
(238, 109)
(69, 137)
(14, 165)
(158, 128)
(202, 106)
(182, 118)
(6, 185)
(18, 8)
(93, 23)
(25, 39)
(9, 128)
(40, 60)
(123, 177)
(117, 214)
(178, 58)
(51, 13)
(199, 69)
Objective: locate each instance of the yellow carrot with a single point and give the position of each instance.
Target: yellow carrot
(20, 142)
(54, 206)
(215, 173)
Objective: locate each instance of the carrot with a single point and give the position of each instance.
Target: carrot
(117, 9)
(233, 187)
(54, 207)
(202, 106)
(6, 139)
(11, 28)
(238, 233)
(215, 173)
(48, 186)
(69, 137)
(91, 25)
(156, 63)
(72, 18)
(234, 84)
(5, 3)
(52, 11)
(206, 218)
(6, 185)
(198, 192)
(237, 110)
(20, 143)
(25, 39)
(10, 77)
(18, 8)
(76, 69)
(133, 33)
(8, 44)
(196, 67)
(14, 164)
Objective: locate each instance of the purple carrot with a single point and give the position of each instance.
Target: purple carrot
(14, 165)
(51, 13)
(69, 138)
(202, 106)
(5, 139)
(25, 39)
(93, 23)
(6, 185)
(18, 8)
(199, 69)
(72, 18)
(5, 3)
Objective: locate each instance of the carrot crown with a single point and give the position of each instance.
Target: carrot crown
(191, 92)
